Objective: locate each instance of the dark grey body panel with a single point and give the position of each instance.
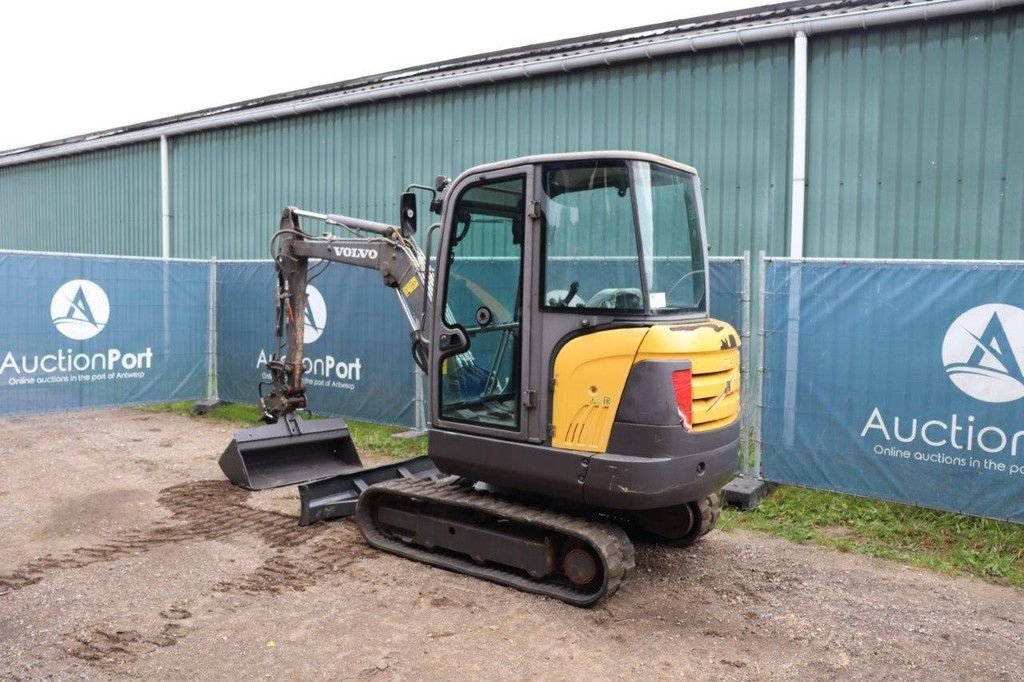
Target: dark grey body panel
(652, 461)
(648, 397)
(668, 465)
(509, 464)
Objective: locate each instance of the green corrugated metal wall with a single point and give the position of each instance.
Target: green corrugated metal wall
(103, 202)
(915, 149)
(726, 112)
(916, 141)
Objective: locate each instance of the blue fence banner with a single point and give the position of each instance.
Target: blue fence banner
(88, 331)
(727, 291)
(81, 331)
(897, 380)
(358, 354)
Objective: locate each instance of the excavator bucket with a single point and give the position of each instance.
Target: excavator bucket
(336, 497)
(289, 451)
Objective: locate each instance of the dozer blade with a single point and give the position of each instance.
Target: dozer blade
(289, 451)
(334, 498)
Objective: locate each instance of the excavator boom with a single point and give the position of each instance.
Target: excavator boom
(291, 450)
(396, 257)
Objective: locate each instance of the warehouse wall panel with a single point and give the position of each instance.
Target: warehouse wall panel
(916, 141)
(725, 112)
(101, 202)
(915, 149)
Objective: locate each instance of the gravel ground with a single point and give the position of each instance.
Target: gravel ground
(126, 555)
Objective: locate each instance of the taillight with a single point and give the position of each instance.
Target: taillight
(682, 382)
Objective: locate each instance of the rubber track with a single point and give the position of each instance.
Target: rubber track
(709, 509)
(609, 541)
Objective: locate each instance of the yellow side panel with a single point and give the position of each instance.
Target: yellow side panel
(590, 374)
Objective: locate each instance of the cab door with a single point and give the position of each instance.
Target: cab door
(482, 317)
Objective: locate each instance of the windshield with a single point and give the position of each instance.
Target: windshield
(622, 236)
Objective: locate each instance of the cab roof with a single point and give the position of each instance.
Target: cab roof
(538, 159)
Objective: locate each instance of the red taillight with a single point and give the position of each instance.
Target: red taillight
(682, 382)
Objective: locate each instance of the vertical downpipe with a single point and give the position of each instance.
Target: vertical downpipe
(796, 212)
(165, 241)
(165, 199)
(796, 238)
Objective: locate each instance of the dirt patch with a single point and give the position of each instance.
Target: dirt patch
(129, 556)
(98, 644)
(211, 510)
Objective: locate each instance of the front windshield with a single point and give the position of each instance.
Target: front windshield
(670, 236)
(598, 214)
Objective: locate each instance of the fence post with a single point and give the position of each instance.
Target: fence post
(747, 490)
(211, 325)
(421, 411)
(419, 408)
(745, 440)
(761, 278)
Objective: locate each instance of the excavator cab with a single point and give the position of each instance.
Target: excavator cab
(544, 251)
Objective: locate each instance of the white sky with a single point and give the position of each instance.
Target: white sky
(68, 68)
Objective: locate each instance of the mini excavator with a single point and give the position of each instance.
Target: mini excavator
(579, 392)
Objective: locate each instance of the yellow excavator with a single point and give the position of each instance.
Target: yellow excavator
(579, 392)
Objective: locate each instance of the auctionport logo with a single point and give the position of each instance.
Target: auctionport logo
(80, 309)
(983, 353)
(316, 315)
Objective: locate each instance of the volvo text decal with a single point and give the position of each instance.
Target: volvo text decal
(355, 252)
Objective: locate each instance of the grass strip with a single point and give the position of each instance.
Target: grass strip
(372, 439)
(944, 541)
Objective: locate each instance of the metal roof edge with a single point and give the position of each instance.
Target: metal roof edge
(692, 34)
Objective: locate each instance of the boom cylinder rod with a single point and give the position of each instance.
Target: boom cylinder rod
(350, 222)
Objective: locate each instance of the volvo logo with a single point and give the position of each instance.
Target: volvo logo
(80, 309)
(984, 350)
(355, 252)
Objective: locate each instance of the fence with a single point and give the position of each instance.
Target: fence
(80, 331)
(358, 358)
(898, 380)
(133, 330)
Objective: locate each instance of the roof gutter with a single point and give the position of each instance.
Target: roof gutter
(592, 57)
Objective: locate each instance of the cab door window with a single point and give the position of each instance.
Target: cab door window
(483, 295)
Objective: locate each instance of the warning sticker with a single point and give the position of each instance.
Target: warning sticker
(410, 286)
